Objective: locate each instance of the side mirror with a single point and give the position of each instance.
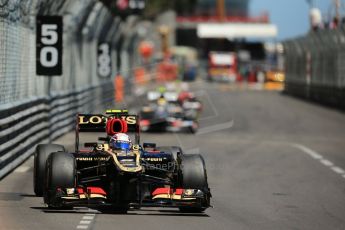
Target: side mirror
(105, 139)
(149, 145)
(90, 144)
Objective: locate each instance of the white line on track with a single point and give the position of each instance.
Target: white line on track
(178, 140)
(86, 221)
(321, 159)
(308, 151)
(213, 107)
(88, 217)
(338, 170)
(326, 162)
(214, 128)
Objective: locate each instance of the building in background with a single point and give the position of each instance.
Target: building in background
(232, 7)
(225, 26)
(222, 25)
(209, 8)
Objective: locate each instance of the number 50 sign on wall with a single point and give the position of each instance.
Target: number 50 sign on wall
(49, 45)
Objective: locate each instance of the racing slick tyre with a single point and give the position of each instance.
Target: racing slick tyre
(194, 128)
(41, 155)
(193, 175)
(60, 173)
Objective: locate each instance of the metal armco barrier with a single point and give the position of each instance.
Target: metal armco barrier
(35, 109)
(38, 109)
(315, 67)
(42, 120)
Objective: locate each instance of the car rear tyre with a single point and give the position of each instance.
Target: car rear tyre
(194, 128)
(176, 151)
(41, 155)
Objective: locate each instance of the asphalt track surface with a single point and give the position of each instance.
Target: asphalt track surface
(273, 161)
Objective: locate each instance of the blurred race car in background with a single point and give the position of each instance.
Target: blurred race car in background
(170, 111)
(119, 173)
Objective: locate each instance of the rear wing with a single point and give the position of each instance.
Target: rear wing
(169, 96)
(98, 123)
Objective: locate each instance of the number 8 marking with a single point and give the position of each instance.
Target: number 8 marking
(104, 68)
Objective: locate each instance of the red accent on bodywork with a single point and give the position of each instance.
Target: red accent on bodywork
(178, 191)
(80, 191)
(84, 150)
(96, 190)
(153, 151)
(176, 123)
(144, 123)
(122, 126)
(159, 191)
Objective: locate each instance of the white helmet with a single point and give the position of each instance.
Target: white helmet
(120, 141)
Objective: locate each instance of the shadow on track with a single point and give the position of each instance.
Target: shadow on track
(135, 212)
(155, 212)
(27, 195)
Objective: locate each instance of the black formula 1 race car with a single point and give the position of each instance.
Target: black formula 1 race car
(101, 177)
(166, 112)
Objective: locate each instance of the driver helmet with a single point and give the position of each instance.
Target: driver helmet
(120, 141)
(162, 101)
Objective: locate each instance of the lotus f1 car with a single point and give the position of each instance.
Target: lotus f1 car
(102, 177)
